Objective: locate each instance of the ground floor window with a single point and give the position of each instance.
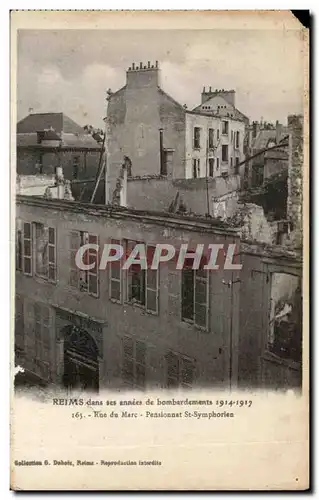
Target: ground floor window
(180, 370)
(133, 362)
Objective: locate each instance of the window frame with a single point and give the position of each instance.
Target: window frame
(196, 137)
(51, 263)
(225, 127)
(133, 360)
(83, 238)
(181, 359)
(147, 288)
(196, 281)
(225, 148)
(113, 279)
(211, 137)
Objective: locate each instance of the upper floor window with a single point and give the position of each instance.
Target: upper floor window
(133, 362)
(237, 139)
(285, 321)
(84, 280)
(45, 251)
(143, 284)
(24, 247)
(195, 297)
(210, 138)
(218, 134)
(180, 370)
(196, 144)
(225, 127)
(115, 275)
(196, 168)
(225, 153)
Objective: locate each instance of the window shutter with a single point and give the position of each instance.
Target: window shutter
(27, 248)
(152, 283)
(172, 365)
(127, 363)
(52, 254)
(19, 255)
(19, 323)
(74, 245)
(187, 372)
(93, 274)
(140, 363)
(201, 298)
(115, 273)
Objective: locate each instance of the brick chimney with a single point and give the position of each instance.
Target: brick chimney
(141, 75)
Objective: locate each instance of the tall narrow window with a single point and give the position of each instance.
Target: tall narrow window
(19, 249)
(225, 153)
(143, 284)
(86, 280)
(237, 140)
(134, 362)
(196, 137)
(211, 162)
(218, 134)
(236, 165)
(42, 340)
(27, 248)
(195, 297)
(180, 370)
(217, 164)
(45, 251)
(115, 274)
(225, 127)
(210, 138)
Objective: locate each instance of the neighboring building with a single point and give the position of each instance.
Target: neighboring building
(49, 140)
(162, 138)
(141, 329)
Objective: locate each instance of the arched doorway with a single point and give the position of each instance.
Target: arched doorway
(81, 365)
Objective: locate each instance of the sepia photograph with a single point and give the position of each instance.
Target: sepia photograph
(158, 188)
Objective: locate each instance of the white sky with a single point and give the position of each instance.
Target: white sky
(70, 70)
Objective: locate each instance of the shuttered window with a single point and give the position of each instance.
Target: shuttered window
(83, 279)
(116, 277)
(134, 362)
(195, 297)
(180, 370)
(42, 342)
(19, 324)
(27, 248)
(45, 251)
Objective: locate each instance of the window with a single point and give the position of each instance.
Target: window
(217, 163)
(45, 251)
(39, 164)
(285, 321)
(76, 167)
(24, 247)
(231, 162)
(211, 162)
(133, 362)
(19, 324)
(195, 297)
(84, 280)
(210, 138)
(116, 277)
(237, 165)
(42, 340)
(225, 125)
(232, 136)
(180, 370)
(237, 139)
(143, 284)
(196, 169)
(225, 153)
(218, 134)
(196, 137)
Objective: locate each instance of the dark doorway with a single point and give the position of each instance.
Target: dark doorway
(81, 367)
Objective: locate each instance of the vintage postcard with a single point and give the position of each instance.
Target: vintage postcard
(160, 237)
